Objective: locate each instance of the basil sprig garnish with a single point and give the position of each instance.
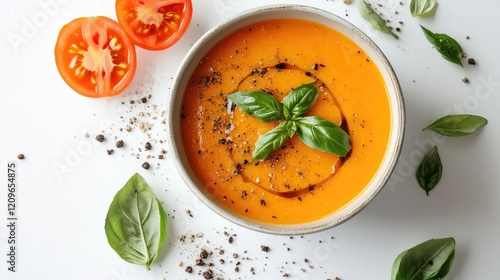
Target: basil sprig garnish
(374, 19)
(430, 170)
(136, 223)
(457, 125)
(430, 260)
(447, 46)
(313, 131)
(422, 8)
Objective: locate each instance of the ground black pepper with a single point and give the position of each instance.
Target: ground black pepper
(262, 202)
(147, 146)
(110, 151)
(264, 248)
(471, 61)
(145, 165)
(20, 156)
(189, 269)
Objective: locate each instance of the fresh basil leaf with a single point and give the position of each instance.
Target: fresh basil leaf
(430, 170)
(291, 128)
(457, 125)
(397, 264)
(270, 141)
(374, 19)
(422, 8)
(323, 135)
(447, 46)
(430, 260)
(300, 100)
(258, 104)
(135, 223)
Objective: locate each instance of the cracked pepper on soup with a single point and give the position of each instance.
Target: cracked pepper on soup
(295, 184)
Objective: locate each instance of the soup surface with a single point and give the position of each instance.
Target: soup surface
(295, 184)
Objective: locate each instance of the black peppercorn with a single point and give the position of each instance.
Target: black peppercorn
(99, 138)
(119, 143)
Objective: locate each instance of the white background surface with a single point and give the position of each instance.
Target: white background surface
(67, 181)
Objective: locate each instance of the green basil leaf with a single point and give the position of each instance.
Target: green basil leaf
(430, 260)
(457, 125)
(135, 223)
(291, 128)
(397, 264)
(270, 141)
(300, 100)
(447, 46)
(422, 7)
(374, 19)
(323, 135)
(258, 104)
(430, 170)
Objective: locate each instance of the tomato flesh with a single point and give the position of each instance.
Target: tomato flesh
(154, 24)
(95, 57)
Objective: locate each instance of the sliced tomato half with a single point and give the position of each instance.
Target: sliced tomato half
(154, 24)
(95, 57)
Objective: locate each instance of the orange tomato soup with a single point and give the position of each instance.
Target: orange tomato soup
(295, 184)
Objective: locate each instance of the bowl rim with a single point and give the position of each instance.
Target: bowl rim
(220, 31)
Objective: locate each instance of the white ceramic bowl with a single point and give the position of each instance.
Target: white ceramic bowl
(205, 43)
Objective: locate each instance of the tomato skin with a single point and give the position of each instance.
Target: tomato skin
(154, 24)
(90, 45)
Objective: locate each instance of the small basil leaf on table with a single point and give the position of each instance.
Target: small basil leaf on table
(429, 260)
(136, 223)
(300, 100)
(457, 125)
(258, 104)
(447, 46)
(430, 170)
(396, 265)
(323, 135)
(374, 19)
(271, 141)
(422, 7)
